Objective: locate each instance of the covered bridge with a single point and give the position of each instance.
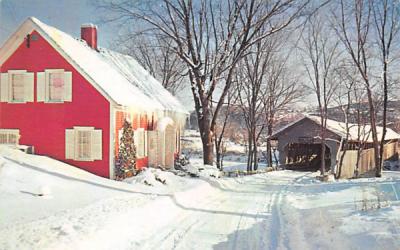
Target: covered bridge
(299, 144)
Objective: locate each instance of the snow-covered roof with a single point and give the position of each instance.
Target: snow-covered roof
(339, 128)
(118, 77)
(142, 79)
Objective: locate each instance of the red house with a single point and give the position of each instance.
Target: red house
(68, 99)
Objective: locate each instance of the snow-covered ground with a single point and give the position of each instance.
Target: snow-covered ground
(191, 143)
(234, 159)
(275, 210)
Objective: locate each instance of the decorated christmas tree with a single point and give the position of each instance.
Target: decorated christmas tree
(126, 160)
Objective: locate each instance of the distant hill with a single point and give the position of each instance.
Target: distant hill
(393, 113)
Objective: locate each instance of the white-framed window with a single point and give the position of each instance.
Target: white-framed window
(83, 144)
(9, 136)
(140, 140)
(54, 86)
(16, 86)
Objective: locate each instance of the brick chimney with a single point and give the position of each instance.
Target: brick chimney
(89, 34)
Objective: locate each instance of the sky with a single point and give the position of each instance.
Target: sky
(66, 15)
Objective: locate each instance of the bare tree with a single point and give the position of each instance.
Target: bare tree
(282, 89)
(251, 83)
(359, 25)
(223, 124)
(386, 20)
(210, 37)
(320, 56)
(348, 99)
(156, 54)
(264, 89)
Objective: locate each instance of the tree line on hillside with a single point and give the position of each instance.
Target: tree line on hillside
(260, 57)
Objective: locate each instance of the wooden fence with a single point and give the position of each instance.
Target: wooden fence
(367, 159)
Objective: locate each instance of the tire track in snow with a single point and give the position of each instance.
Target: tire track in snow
(279, 238)
(172, 235)
(243, 223)
(255, 239)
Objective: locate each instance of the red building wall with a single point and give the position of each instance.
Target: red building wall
(43, 124)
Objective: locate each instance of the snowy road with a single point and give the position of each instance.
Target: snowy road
(277, 210)
(233, 216)
(267, 212)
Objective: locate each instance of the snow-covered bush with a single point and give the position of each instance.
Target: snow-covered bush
(193, 171)
(162, 176)
(210, 171)
(202, 170)
(150, 177)
(181, 161)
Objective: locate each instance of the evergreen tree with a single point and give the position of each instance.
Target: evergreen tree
(126, 160)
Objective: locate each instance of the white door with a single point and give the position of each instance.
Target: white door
(161, 148)
(152, 138)
(170, 146)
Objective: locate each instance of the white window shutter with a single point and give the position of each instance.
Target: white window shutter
(41, 87)
(69, 144)
(136, 142)
(29, 87)
(47, 86)
(68, 86)
(4, 87)
(120, 133)
(141, 143)
(145, 142)
(97, 152)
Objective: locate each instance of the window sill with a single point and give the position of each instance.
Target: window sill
(54, 102)
(83, 159)
(16, 102)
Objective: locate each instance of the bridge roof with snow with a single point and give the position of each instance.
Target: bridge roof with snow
(355, 132)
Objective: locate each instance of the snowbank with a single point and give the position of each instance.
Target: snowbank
(37, 186)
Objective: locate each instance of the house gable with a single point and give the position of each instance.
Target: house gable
(43, 124)
(19, 38)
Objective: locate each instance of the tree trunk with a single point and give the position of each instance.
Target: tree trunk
(385, 100)
(374, 132)
(357, 171)
(250, 152)
(206, 134)
(218, 157)
(343, 148)
(208, 154)
(255, 153)
(269, 148)
(323, 147)
(208, 145)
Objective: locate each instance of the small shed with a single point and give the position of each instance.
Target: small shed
(299, 143)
